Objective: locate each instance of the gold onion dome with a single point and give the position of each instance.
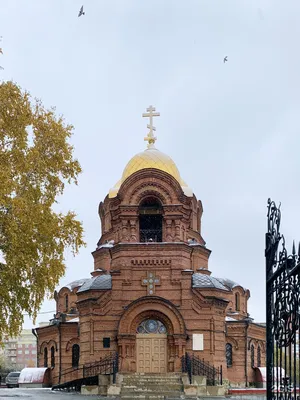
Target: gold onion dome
(151, 158)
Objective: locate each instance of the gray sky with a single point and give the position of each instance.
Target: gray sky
(232, 129)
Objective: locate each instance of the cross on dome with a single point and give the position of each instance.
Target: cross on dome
(150, 138)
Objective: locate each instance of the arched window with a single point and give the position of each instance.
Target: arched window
(252, 356)
(75, 355)
(151, 326)
(52, 357)
(45, 357)
(258, 356)
(237, 302)
(150, 219)
(229, 354)
(66, 302)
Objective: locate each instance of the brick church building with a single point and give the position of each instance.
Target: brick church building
(151, 296)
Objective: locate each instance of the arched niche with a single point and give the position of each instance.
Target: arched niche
(152, 307)
(150, 220)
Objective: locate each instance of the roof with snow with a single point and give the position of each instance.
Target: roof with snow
(207, 281)
(76, 319)
(32, 375)
(230, 319)
(262, 373)
(229, 283)
(105, 245)
(75, 284)
(100, 282)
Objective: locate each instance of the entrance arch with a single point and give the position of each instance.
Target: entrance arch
(174, 339)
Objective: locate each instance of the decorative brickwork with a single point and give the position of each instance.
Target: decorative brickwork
(166, 280)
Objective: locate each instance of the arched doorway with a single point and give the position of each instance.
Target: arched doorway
(151, 347)
(150, 220)
(168, 325)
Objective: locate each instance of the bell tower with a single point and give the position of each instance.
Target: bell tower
(150, 204)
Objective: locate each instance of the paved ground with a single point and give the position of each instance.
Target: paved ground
(43, 394)
(48, 394)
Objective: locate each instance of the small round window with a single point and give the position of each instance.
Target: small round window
(151, 326)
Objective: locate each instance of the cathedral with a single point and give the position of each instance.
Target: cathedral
(151, 297)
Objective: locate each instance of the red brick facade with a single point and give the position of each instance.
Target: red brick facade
(184, 296)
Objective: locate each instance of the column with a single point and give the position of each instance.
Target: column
(133, 230)
(125, 235)
(169, 237)
(177, 230)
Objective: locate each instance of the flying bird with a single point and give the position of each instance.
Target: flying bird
(260, 14)
(225, 59)
(81, 12)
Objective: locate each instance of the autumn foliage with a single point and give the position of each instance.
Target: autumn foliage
(36, 162)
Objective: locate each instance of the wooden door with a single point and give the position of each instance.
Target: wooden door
(151, 353)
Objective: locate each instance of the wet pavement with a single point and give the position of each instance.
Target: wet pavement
(43, 394)
(48, 394)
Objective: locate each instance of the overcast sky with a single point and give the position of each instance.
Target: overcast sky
(232, 129)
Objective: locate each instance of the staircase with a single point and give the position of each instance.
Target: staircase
(151, 386)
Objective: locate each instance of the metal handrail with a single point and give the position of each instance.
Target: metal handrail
(68, 371)
(193, 365)
(106, 366)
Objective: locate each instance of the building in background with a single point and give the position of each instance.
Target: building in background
(9, 353)
(20, 352)
(26, 352)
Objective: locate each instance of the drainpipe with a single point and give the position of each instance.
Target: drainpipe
(246, 353)
(59, 333)
(37, 358)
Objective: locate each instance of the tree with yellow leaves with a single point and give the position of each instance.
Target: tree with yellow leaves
(36, 161)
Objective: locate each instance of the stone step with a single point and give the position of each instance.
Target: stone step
(150, 382)
(175, 374)
(153, 383)
(163, 378)
(152, 388)
(180, 398)
(152, 374)
(157, 377)
(162, 395)
(143, 384)
(153, 378)
(141, 397)
(163, 381)
(155, 387)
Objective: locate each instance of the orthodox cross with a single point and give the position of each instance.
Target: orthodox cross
(151, 281)
(150, 138)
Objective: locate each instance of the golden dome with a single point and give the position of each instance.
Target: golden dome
(150, 158)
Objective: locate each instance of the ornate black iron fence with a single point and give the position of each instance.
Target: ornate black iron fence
(106, 366)
(192, 365)
(282, 312)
